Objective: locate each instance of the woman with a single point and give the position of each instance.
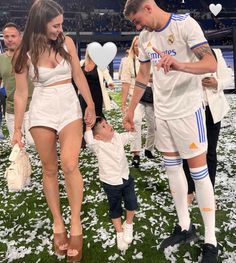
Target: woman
(96, 79)
(128, 74)
(216, 108)
(50, 60)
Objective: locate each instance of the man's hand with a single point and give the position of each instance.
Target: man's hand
(168, 62)
(128, 122)
(123, 109)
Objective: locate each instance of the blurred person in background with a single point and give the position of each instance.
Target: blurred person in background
(12, 39)
(97, 80)
(122, 62)
(2, 107)
(145, 108)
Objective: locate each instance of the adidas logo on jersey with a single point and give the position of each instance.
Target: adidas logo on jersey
(193, 146)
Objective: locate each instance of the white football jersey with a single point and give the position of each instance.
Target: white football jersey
(176, 94)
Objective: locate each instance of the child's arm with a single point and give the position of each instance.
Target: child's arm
(88, 136)
(128, 137)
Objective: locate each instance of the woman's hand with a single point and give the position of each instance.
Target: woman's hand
(17, 138)
(210, 83)
(90, 116)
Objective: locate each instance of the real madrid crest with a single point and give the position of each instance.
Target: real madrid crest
(171, 39)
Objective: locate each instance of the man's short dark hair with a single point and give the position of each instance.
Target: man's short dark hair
(132, 7)
(11, 24)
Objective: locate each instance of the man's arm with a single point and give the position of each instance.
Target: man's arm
(141, 82)
(139, 88)
(206, 63)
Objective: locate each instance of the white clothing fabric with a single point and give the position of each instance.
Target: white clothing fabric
(103, 76)
(147, 110)
(128, 73)
(112, 161)
(143, 109)
(206, 201)
(48, 76)
(216, 100)
(54, 106)
(121, 67)
(179, 188)
(10, 119)
(176, 94)
(185, 135)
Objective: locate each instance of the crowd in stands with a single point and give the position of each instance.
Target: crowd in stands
(106, 15)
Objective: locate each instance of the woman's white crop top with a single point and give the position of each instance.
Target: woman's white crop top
(48, 76)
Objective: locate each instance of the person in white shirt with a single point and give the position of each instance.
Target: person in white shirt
(144, 108)
(114, 174)
(175, 46)
(216, 108)
(122, 62)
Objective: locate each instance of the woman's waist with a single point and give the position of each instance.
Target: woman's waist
(54, 84)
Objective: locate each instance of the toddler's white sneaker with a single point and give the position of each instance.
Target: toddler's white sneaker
(128, 232)
(121, 244)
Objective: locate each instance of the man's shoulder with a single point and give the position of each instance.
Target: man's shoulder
(3, 57)
(180, 17)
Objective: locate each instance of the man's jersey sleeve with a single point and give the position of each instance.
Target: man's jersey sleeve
(193, 33)
(142, 54)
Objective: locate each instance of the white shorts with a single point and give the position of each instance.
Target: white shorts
(54, 107)
(185, 135)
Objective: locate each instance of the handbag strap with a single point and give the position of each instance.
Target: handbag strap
(135, 74)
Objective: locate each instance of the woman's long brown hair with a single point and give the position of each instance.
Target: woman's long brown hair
(34, 38)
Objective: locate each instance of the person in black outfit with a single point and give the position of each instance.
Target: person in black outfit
(216, 108)
(97, 80)
(95, 89)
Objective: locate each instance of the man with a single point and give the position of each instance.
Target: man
(12, 39)
(165, 40)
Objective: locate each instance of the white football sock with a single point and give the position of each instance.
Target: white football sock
(178, 188)
(206, 201)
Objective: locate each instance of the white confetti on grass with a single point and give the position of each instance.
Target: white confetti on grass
(25, 227)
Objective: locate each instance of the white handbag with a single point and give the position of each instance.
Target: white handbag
(19, 171)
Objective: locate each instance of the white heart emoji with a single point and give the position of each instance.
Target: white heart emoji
(102, 55)
(215, 9)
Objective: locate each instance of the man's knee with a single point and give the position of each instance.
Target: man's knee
(197, 161)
